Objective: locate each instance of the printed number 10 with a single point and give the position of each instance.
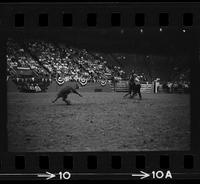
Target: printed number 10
(65, 175)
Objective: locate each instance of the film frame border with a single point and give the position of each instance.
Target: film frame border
(8, 160)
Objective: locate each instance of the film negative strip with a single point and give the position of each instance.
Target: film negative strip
(131, 72)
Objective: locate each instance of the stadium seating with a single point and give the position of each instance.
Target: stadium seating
(46, 59)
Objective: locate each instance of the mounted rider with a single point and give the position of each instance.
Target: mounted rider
(134, 85)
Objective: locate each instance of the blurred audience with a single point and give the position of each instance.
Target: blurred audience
(49, 60)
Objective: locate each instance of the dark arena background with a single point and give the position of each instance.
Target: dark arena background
(99, 65)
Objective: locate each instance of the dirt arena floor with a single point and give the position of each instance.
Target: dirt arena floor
(101, 121)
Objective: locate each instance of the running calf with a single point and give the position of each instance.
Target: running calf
(63, 93)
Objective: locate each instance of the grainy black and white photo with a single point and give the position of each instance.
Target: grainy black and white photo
(102, 92)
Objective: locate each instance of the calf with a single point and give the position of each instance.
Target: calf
(63, 93)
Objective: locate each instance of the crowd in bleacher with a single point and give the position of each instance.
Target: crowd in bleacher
(59, 59)
(17, 57)
(50, 60)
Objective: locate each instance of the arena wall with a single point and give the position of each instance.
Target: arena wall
(122, 86)
(54, 87)
(90, 87)
(11, 86)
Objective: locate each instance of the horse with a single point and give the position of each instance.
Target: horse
(134, 87)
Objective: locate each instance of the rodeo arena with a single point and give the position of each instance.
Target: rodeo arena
(106, 116)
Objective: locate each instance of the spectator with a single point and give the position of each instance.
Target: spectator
(37, 88)
(169, 85)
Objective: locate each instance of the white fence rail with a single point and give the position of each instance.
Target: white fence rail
(122, 86)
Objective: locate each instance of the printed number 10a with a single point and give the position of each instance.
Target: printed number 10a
(161, 175)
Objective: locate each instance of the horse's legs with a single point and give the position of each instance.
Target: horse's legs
(129, 91)
(126, 94)
(140, 95)
(139, 92)
(132, 92)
